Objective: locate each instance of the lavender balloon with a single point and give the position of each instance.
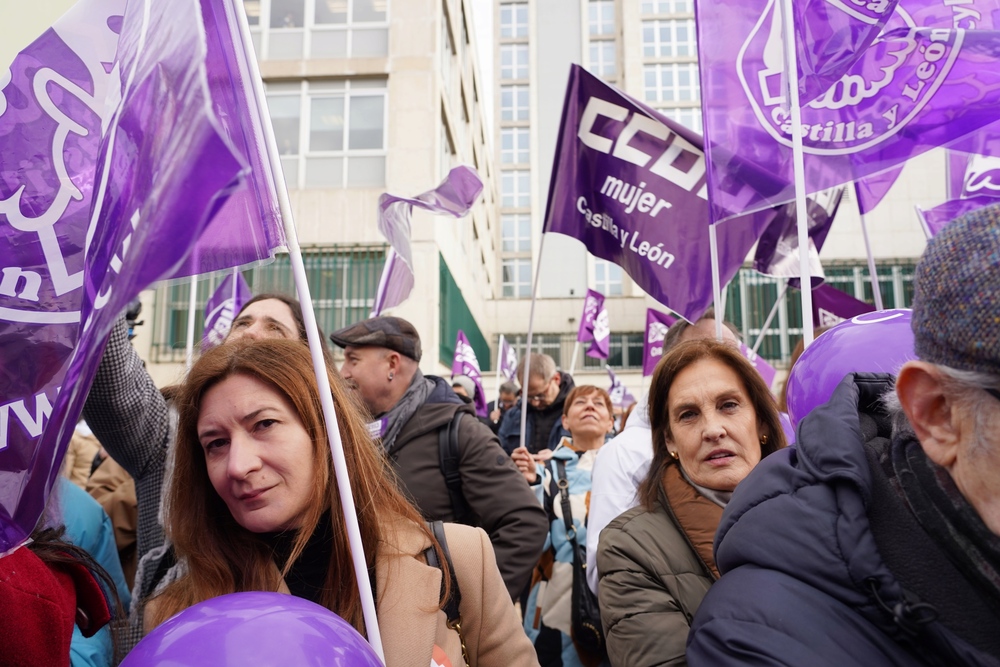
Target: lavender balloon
(879, 342)
(242, 629)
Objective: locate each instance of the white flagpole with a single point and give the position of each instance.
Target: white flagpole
(798, 168)
(315, 346)
(527, 345)
(192, 308)
(500, 360)
(770, 316)
(713, 244)
(576, 351)
(923, 222)
(872, 273)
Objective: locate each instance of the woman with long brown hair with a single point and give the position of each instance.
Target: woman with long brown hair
(253, 506)
(713, 419)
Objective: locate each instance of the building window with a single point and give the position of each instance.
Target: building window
(671, 82)
(666, 7)
(689, 117)
(297, 29)
(330, 134)
(514, 20)
(601, 17)
(343, 282)
(602, 59)
(516, 232)
(673, 38)
(514, 61)
(624, 353)
(607, 278)
(550, 344)
(514, 146)
(515, 189)
(513, 103)
(516, 278)
(447, 51)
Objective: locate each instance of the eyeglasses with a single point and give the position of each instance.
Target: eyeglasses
(541, 397)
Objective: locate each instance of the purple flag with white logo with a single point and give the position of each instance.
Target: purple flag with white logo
(630, 184)
(872, 189)
(222, 308)
(112, 164)
(620, 395)
(778, 248)
(921, 84)
(594, 326)
(765, 369)
(936, 218)
(454, 196)
(507, 359)
(465, 363)
(657, 324)
(831, 306)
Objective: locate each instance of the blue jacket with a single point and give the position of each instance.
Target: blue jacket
(510, 426)
(801, 546)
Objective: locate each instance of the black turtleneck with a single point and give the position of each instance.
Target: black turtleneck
(307, 578)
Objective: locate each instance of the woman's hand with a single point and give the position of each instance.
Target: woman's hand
(525, 463)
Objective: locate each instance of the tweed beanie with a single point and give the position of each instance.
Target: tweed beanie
(956, 300)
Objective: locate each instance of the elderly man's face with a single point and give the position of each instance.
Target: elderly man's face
(366, 370)
(976, 470)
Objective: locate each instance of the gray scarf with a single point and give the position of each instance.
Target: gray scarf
(392, 422)
(720, 498)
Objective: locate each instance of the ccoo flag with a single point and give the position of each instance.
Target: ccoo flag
(594, 326)
(620, 395)
(507, 359)
(465, 363)
(630, 184)
(113, 162)
(657, 324)
(831, 306)
(926, 81)
(222, 307)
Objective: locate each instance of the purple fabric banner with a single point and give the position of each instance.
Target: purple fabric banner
(222, 308)
(921, 84)
(465, 363)
(657, 324)
(936, 218)
(507, 359)
(620, 395)
(831, 306)
(871, 190)
(454, 196)
(765, 369)
(778, 248)
(830, 35)
(594, 326)
(630, 184)
(100, 216)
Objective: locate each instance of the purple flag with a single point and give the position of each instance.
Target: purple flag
(465, 363)
(765, 369)
(507, 359)
(920, 85)
(222, 307)
(872, 189)
(936, 218)
(454, 196)
(778, 248)
(594, 326)
(657, 324)
(831, 306)
(629, 183)
(112, 163)
(620, 395)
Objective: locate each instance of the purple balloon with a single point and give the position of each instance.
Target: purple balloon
(786, 427)
(878, 342)
(242, 629)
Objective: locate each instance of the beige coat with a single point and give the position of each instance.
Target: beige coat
(408, 591)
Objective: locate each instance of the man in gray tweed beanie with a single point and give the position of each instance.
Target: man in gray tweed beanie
(876, 539)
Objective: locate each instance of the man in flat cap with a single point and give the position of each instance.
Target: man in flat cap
(876, 539)
(448, 462)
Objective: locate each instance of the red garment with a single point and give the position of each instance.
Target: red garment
(39, 605)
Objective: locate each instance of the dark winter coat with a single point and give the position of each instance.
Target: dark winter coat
(550, 416)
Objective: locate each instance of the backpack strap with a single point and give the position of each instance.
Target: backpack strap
(563, 485)
(452, 606)
(449, 460)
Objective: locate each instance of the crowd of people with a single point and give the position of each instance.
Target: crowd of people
(698, 534)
